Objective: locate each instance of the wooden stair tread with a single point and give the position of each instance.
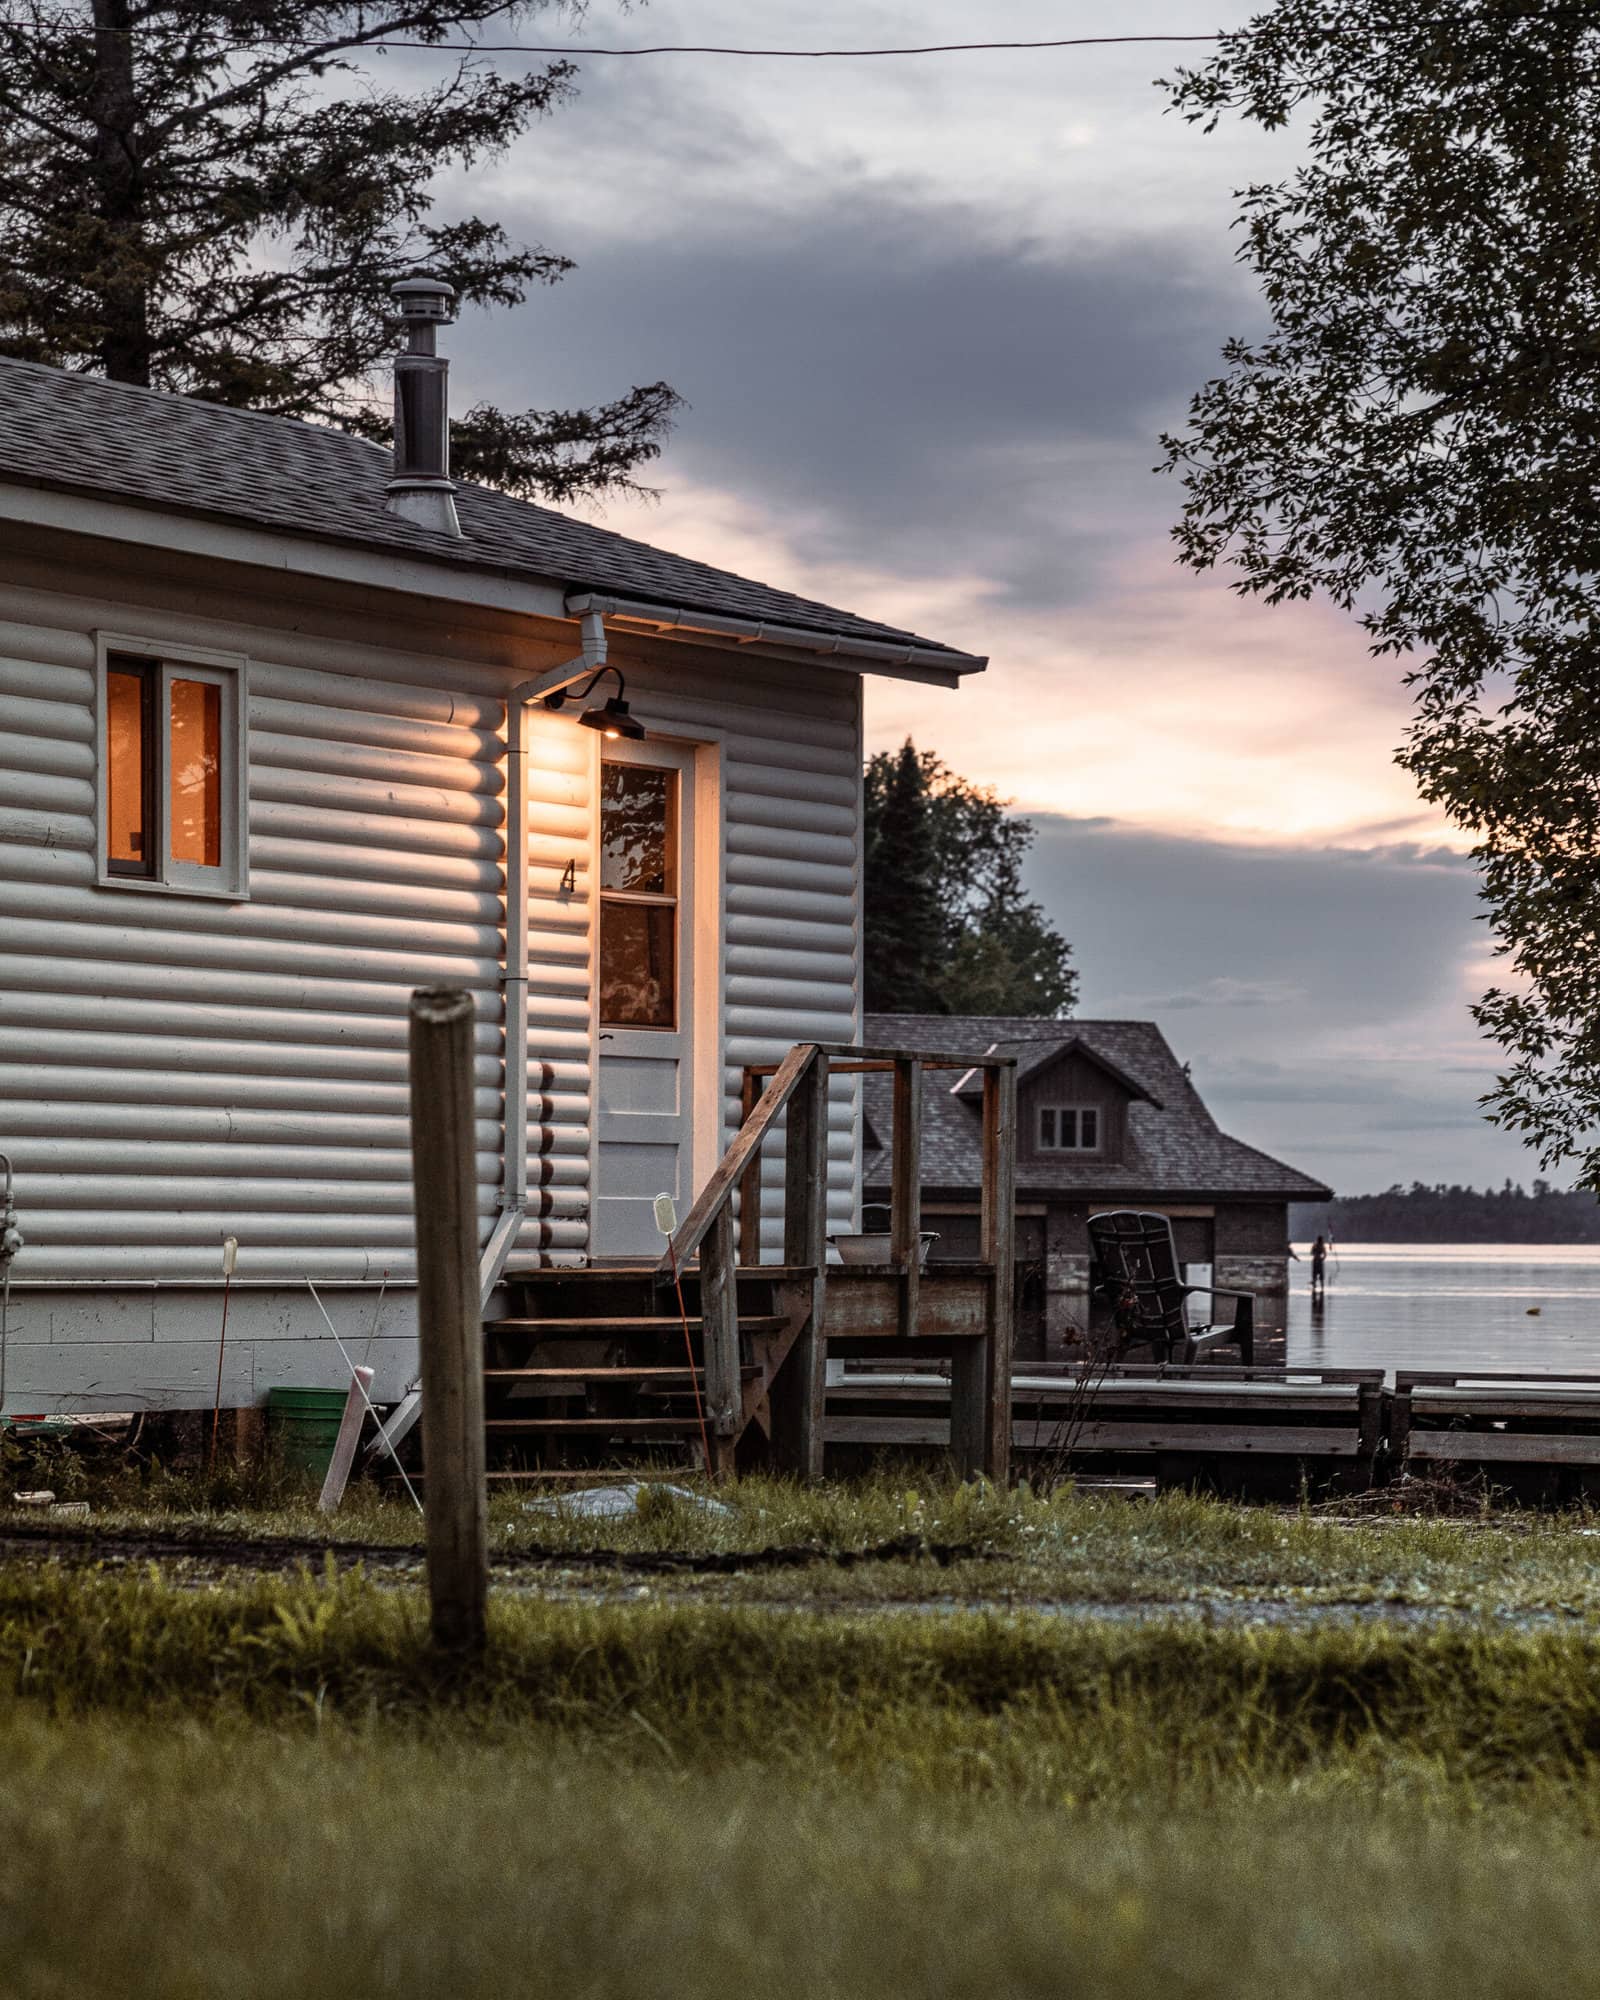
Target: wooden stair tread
(605, 1426)
(594, 1475)
(628, 1323)
(601, 1373)
(604, 1274)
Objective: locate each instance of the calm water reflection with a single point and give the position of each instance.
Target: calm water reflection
(1397, 1305)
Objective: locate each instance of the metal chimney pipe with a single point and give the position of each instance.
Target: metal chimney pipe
(421, 490)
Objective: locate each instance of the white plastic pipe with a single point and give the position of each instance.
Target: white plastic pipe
(344, 1445)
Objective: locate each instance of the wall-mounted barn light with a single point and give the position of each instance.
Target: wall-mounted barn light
(611, 718)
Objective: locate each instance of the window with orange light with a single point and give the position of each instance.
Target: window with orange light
(130, 767)
(638, 897)
(171, 780)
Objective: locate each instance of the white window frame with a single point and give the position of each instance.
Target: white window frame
(1075, 1112)
(230, 880)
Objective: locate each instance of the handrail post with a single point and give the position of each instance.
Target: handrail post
(980, 1387)
(750, 1186)
(797, 1392)
(905, 1191)
(719, 1330)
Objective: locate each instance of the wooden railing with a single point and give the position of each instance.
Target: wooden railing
(981, 1366)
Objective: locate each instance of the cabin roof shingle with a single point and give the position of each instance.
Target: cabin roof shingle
(1175, 1146)
(76, 433)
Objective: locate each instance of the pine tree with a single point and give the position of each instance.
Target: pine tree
(193, 199)
(905, 927)
(967, 938)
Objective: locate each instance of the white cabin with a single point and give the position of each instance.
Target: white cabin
(255, 783)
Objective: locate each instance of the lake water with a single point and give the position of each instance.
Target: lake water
(1441, 1305)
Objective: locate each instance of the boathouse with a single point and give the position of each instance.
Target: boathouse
(1107, 1117)
(288, 728)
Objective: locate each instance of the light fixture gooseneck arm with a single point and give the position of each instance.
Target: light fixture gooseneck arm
(563, 695)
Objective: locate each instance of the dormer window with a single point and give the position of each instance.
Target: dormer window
(1068, 1128)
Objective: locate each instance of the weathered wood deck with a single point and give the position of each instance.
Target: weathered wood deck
(1255, 1431)
(1537, 1436)
(1238, 1429)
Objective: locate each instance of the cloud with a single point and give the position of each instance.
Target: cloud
(1319, 992)
(913, 377)
(930, 318)
(1223, 992)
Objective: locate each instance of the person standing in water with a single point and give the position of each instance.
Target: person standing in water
(1319, 1264)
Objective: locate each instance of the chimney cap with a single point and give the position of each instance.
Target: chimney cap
(422, 296)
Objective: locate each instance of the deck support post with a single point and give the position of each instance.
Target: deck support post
(797, 1389)
(905, 1191)
(980, 1387)
(449, 1316)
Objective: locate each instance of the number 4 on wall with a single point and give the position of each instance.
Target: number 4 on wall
(569, 878)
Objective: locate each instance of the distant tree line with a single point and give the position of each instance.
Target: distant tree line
(1441, 1214)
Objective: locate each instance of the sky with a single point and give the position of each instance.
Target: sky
(930, 316)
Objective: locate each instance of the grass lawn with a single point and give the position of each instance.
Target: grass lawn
(177, 1863)
(1021, 1546)
(269, 1786)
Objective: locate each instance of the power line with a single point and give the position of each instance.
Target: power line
(806, 55)
(654, 49)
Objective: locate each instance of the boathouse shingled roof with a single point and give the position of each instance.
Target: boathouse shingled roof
(1175, 1147)
(76, 433)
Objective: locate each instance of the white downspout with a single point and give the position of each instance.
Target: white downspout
(514, 1179)
(514, 977)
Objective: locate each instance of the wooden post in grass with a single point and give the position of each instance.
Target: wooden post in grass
(449, 1319)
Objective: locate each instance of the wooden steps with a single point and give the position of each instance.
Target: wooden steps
(580, 1366)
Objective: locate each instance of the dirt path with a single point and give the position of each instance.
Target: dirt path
(197, 1558)
(279, 1555)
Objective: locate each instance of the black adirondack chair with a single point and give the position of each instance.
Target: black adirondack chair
(1141, 1277)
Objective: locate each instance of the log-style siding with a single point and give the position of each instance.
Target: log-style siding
(174, 1070)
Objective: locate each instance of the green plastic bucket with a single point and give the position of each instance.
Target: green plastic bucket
(303, 1424)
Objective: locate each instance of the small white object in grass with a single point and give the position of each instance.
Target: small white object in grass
(614, 1503)
(43, 1498)
(70, 1510)
(666, 1214)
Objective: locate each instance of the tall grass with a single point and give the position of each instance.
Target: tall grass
(175, 1863)
(1027, 1705)
(277, 1789)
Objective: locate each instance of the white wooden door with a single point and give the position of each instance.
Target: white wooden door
(645, 982)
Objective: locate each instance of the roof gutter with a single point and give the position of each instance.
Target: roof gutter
(936, 664)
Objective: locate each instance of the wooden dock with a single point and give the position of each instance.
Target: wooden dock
(1251, 1431)
(1537, 1437)
(1256, 1432)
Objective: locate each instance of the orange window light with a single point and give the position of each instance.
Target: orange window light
(129, 746)
(196, 772)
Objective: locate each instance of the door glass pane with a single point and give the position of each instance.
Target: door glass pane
(638, 964)
(197, 772)
(638, 829)
(127, 775)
